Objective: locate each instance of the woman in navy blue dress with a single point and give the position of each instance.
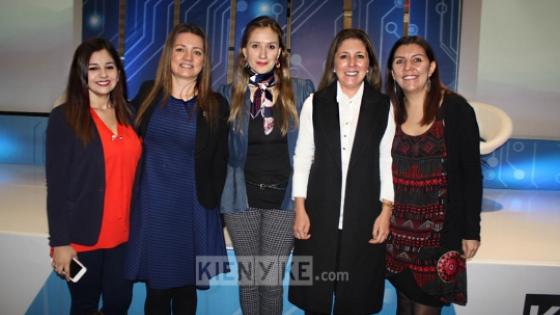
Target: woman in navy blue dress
(175, 217)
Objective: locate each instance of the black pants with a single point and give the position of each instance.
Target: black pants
(336, 269)
(181, 300)
(104, 279)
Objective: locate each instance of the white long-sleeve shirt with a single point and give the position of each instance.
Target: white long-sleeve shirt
(349, 111)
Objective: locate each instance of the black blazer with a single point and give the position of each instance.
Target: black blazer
(75, 183)
(211, 151)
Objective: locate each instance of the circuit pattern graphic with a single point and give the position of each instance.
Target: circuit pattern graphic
(314, 25)
(100, 18)
(147, 24)
(523, 164)
(439, 22)
(436, 20)
(214, 18)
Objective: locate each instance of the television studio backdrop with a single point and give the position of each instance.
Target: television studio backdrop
(517, 269)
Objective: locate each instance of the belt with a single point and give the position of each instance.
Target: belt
(278, 186)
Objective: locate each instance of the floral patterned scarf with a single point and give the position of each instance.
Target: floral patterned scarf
(262, 98)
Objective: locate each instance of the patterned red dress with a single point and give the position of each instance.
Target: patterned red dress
(417, 265)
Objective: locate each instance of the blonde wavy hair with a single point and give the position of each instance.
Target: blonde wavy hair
(284, 105)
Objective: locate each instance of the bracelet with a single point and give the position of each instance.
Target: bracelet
(388, 204)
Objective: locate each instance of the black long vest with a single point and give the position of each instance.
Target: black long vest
(364, 263)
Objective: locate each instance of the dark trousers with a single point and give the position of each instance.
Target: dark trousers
(336, 269)
(176, 301)
(104, 279)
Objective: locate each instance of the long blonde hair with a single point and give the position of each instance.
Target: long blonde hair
(284, 105)
(206, 99)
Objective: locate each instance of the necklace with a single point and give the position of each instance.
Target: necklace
(108, 118)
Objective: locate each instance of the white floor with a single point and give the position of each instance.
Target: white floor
(520, 227)
(23, 200)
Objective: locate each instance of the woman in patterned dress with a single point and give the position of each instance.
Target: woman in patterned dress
(175, 219)
(435, 224)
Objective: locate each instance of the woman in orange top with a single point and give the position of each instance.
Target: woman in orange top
(92, 153)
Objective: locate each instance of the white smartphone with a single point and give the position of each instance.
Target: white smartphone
(77, 270)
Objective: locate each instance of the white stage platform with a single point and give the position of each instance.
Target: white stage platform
(519, 254)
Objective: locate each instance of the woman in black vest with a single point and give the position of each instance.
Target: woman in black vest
(342, 184)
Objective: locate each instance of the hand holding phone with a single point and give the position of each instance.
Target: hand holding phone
(77, 270)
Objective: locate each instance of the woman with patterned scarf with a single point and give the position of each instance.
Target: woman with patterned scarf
(258, 210)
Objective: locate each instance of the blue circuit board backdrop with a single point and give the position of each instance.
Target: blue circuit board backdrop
(439, 22)
(436, 20)
(214, 18)
(524, 164)
(383, 21)
(314, 24)
(248, 10)
(147, 24)
(100, 18)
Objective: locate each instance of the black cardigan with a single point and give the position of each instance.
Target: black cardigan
(211, 151)
(462, 165)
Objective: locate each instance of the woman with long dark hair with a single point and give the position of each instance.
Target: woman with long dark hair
(92, 153)
(435, 223)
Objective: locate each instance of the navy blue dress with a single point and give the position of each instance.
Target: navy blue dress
(169, 227)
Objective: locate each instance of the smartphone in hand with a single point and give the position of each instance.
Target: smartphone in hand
(77, 270)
